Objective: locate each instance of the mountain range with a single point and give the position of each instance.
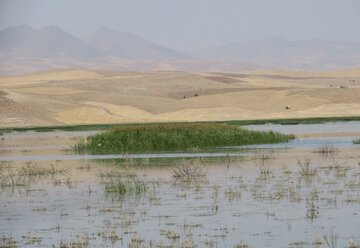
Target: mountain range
(25, 49)
(274, 51)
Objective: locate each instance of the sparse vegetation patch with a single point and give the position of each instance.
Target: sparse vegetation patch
(123, 183)
(188, 170)
(326, 149)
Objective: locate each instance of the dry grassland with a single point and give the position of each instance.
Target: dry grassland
(88, 97)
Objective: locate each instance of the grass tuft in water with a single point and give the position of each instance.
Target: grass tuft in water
(242, 245)
(81, 242)
(262, 162)
(188, 170)
(171, 137)
(123, 183)
(326, 149)
(28, 174)
(126, 186)
(357, 141)
(8, 241)
(307, 169)
(330, 239)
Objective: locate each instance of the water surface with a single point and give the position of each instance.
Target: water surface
(256, 195)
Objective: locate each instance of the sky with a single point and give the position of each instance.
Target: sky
(191, 24)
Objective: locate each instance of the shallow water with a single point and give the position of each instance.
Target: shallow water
(330, 127)
(299, 143)
(260, 198)
(58, 145)
(234, 203)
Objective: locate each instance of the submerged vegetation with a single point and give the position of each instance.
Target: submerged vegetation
(120, 200)
(261, 161)
(170, 137)
(326, 149)
(188, 171)
(26, 175)
(123, 184)
(307, 170)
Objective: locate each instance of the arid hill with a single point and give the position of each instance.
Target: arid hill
(84, 97)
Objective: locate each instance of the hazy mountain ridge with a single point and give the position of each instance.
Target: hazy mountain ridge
(51, 41)
(24, 49)
(48, 42)
(127, 45)
(304, 54)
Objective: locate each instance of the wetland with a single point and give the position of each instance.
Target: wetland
(302, 193)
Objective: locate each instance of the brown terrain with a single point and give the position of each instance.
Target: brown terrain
(88, 97)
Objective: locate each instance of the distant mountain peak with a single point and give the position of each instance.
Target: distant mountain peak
(114, 34)
(275, 39)
(25, 46)
(128, 45)
(48, 42)
(106, 29)
(19, 28)
(53, 28)
(282, 53)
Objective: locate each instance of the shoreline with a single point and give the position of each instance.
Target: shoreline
(88, 127)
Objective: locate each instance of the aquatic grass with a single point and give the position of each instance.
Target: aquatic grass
(262, 162)
(80, 242)
(307, 169)
(330, 239)
(117, 174)
(326, 149)
(12, 179)
(123, 183)
(27, 175)
(242, 245)
(172, 137)
(352, 244)
(112, 236)
(357, 141)
(8, 241)
(123, 186)
(188, 170)
(169, 234)
(34, 170)
(312, 210)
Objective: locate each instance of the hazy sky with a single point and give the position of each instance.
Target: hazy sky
(188, 24)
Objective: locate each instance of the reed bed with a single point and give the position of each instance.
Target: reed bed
(172, 137)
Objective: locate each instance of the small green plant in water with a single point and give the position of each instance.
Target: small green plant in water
(306, 168)
(123, 186)
(262, 162)
(357, 141)
(188, 170)
(330, 239)
(123, 183)
(326, 149)
(8, 241)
